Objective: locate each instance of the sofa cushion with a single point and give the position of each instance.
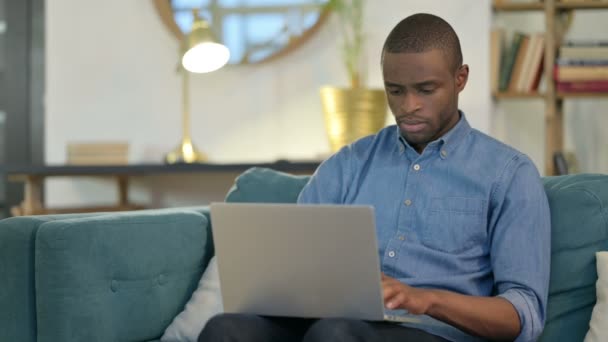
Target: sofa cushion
(117, 277)
(579, 228)
(598, 329)
(266, 185)
(205, 303)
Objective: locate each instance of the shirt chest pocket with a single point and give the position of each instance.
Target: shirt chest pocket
(455, 224)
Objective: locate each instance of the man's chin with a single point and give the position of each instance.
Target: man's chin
(414, 139)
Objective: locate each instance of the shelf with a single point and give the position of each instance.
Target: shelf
(515, 95)
(515, 7)
(539, 6)
(23, 172)
(560, 95)
(581, 95)
(34, 176)
(584, 5)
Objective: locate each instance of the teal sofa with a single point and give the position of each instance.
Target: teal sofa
(125, 276)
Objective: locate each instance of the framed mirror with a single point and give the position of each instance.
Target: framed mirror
(254, 31)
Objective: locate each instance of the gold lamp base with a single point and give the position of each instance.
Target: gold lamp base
(186, 152)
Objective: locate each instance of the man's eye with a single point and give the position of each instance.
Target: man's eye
(426, 91)
(395, 91)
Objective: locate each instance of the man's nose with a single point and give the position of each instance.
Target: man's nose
(411, 103)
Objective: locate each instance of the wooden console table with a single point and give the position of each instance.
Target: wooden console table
(34, 176)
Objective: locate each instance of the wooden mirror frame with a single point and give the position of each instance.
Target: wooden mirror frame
(163, 7)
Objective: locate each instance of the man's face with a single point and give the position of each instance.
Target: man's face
(422, 91)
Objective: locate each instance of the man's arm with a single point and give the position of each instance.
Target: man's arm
(329, 182)
(488, 317)
(519, 238)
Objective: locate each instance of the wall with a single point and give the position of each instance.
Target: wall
(111, 75)
(102, 85)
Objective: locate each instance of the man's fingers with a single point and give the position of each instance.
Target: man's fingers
(389, 291)
(396, 301)
(388, 280)
(395, 293)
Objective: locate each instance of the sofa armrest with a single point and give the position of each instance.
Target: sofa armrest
(120, 277)
(18, 295)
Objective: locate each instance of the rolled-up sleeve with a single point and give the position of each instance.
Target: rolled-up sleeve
(521, 244)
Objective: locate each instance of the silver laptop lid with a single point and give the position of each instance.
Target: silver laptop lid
(291, 260)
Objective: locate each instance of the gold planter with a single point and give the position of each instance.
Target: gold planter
(352, 113)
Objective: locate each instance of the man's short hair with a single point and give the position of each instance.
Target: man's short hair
(423, 32)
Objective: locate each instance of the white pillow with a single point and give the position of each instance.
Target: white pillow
(598, 327)
(205, 303)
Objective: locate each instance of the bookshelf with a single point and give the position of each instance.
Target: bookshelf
(517, 95)
(553, 99)
(506, 5)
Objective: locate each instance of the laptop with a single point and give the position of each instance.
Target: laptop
(308, 261)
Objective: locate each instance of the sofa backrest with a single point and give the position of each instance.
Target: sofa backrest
(119, 277)
(579, 228)
(579, 222)
(266, 185)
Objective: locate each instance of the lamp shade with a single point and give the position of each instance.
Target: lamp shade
(203, 52)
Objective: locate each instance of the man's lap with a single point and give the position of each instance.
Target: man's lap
(241, 327)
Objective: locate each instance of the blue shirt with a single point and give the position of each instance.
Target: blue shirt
(469, 214)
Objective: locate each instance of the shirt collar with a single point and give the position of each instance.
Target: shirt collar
(449, 141)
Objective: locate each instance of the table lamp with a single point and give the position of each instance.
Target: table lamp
(201, 54)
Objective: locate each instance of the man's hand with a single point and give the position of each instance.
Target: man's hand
(398, 295)
(488, 317)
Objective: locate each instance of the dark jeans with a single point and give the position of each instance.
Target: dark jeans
(251, 328)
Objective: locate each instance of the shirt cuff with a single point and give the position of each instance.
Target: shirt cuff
(529, 318)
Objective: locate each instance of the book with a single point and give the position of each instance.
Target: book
(560, 164)
(518, 66)
(533, 68)
(529, 69)
(584, 52)
(582, 86)
(508, 60)
(102, 153)
(496, 52)
(96, 160)
(585, 43)
(580, 1)
(580, 73)
(89, 147)
(581, 62)
(538, 76)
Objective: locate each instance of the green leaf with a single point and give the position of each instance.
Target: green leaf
(336, 5)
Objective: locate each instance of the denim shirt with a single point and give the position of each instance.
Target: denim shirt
(469, 214)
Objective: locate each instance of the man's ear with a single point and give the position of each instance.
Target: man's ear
(462, 75)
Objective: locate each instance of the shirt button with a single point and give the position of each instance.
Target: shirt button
(417, 167)
(444, 153)
(391, 254)
(408, 202)
(401, 237)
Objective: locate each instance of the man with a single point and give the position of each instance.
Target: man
(462, 219)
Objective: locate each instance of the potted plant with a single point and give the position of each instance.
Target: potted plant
(355, 111)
